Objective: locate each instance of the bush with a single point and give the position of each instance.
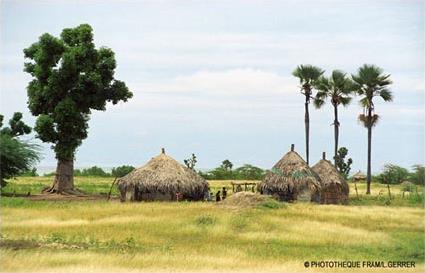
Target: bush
(16, 157)
(418, 175)
(393, 174)
(122, 170)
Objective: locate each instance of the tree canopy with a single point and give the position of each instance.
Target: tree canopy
(70, 79)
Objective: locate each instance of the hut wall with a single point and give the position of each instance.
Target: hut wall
(156, 196)
(333, 194)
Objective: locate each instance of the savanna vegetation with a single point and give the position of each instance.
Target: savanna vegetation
(100, 235)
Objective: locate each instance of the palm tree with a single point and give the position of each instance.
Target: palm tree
(370, 82)
(308, 75)
(338, 89)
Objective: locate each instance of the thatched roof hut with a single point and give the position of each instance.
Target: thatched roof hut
(334, 187)
(291, 179)
(162, 178)
(359, 176)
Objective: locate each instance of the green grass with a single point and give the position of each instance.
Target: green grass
(100, 236)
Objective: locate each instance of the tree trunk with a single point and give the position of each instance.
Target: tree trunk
(307, 129)
(369, 150)
(64, 178)
(336, 132)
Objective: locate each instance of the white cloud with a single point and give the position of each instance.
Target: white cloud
(237, 82)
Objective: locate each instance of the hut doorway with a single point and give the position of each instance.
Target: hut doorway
(137, 194)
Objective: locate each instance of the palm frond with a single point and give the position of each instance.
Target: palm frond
(318, 103)
(307, 73)
(366, 121)
(386, 95)
(344, 100)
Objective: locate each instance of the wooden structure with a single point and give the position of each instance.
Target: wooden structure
(238, 186)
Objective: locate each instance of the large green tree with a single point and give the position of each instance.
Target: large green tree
(308, 75)
(16, 156)
(338, 88)
(71, 77)
(371, 82)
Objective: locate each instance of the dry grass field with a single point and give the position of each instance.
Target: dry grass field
(102, 236)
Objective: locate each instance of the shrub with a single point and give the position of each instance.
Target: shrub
(418, 175)
(16, 156)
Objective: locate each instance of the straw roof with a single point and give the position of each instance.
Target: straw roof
(291, 177)
(163, 174)
(334, 187)
(359, 176)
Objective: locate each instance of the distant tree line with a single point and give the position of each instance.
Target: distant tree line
(391, 173)
(98, 171)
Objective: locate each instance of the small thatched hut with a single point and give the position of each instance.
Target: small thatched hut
(359, 176)
(162, 178)
(291, 179)
(334, 187)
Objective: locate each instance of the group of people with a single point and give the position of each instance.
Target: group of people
(219, 196)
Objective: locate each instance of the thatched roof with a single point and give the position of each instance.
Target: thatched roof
(165, 175)
(359, 176)
(289, 177)
(329, 175)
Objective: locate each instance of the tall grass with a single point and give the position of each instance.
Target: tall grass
(101, 236)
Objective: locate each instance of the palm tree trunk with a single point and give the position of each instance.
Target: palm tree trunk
(369, 150)
(336, 131)
(307, 129)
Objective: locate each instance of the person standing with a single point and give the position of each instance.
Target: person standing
(218, 196)
(224, 194)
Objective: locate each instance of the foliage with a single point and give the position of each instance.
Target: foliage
(227, 165)
(338, 88)
(16, 156)
(190, 162)
(370, 82)
(393, 174)
(30, 173)
(70, 79)
(249, 172)
(92, 171)
(245, 172)
(17, 126)
(218, 173)
(122, 170)
(418, 175)
(342, 166)
(308, 75)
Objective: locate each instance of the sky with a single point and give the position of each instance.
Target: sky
(214, 77)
